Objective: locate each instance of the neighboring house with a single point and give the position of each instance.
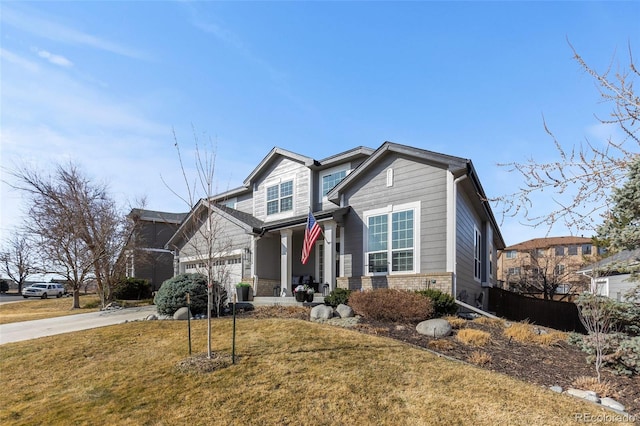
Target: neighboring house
(398, 217)
(150, 260)
(612, 276)
(541, 264)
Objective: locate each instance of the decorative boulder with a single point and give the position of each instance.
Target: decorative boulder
(437, 328)
(321, 312)
(181, 314)
(152, 317)
(344, 311)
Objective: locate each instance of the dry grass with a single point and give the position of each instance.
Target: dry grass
(603, 389)
(524, 332)
(440, 345)
(288, 372)
(491, 322)
(27, 310)
(456, 322)
(472, 337)
(479, 358)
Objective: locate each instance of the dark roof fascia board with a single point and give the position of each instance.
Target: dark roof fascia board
(300, 220)
(158, 216)
(454, 164)
(242, 219)
(485, 203)
(358, 152)
(187, 220)
(307, 161)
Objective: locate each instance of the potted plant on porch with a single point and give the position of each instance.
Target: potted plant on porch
(242, 290)
(300, 292)
(310, 293)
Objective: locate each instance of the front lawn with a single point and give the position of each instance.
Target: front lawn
(27, 310)
(288, 371)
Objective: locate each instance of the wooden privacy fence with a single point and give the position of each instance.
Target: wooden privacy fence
(548, 313)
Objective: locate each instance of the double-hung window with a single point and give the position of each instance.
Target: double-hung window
(391, 239)
(280, 197)
(331, 180)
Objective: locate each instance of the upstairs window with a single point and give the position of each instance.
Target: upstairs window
(331, 180)
(586, 249)
(560, 251)
(512, 254)
(573, 250)
(280, 198)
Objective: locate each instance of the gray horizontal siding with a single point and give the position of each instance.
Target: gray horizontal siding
(413, 181)
(282, 170)
(465, 221)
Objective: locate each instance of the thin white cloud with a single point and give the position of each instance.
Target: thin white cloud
(18, 60)
(54, 59)
(48, 29)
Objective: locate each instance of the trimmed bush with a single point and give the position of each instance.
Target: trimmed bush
(392, 305)
(4, 286)
(132, 289)
(173, 295)
(443, 304)
(337, 297)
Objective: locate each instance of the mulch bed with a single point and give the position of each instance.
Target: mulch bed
(559, 364)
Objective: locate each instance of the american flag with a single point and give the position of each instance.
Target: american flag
(311, 233)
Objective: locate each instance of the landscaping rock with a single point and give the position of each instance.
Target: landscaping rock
(612, 403)
(182, 314)
(321, 312)
(437, 328)
(586, 395)
(151, 317)
(557, 389)
(344, 311)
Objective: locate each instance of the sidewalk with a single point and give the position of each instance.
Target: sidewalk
(19, 331)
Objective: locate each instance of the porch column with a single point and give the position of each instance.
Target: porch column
(329, 254)
(254, 251)
(286, 244)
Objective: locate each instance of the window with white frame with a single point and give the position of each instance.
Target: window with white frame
(513, 271)
(512, 254)
(329, 181)
(477, 254)
(391, 239)
(280, 197)
(130, 264)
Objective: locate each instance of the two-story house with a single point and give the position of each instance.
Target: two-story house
(398, 217)
(546, 266)
(149, 260)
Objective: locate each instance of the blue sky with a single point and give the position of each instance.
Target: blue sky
(104, 83)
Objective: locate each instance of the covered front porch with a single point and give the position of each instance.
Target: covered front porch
(277, 267)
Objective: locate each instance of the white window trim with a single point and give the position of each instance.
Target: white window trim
(477, 257)
(415, 206)
(343, 167)
(278, 182)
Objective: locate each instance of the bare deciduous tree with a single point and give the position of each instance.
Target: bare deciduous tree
(79, 228)
(18, 258)
(539, 273)
(203, 231)
(580, 180)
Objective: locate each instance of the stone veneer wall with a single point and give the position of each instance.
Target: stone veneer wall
(265, 287)
(439, 281)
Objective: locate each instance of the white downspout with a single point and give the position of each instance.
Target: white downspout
(453, 235)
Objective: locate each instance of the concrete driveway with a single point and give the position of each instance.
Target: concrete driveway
(18, 331)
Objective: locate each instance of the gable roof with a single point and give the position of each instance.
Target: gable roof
(544, 243)
(454, 164)
(276, 152)
(156, 216)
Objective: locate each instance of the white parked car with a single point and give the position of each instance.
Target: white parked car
(43, 290)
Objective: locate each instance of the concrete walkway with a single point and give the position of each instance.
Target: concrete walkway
(19, 331)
